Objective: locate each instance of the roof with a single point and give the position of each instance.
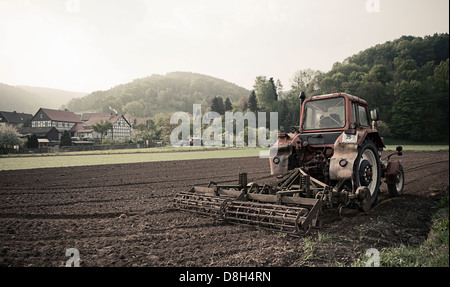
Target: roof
(39, 132)
(87, 116)
(15, 117)
(77, 127)
(111, 118)
(350, 97)
(62, 116)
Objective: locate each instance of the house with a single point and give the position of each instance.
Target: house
(121, 128)
(61, 120)
(51, 134)
(15, 119)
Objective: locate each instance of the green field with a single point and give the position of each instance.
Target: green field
(118, 157)
(418, 147)
(32, 161)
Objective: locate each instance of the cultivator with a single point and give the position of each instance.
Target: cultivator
(280, 207)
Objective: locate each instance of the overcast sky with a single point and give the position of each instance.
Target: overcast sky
(89, 45)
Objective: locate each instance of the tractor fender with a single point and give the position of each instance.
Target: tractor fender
(346, 152)
(372, 135)
(344, 156)
(391, 171)
(279, 163)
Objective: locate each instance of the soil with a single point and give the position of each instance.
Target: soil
(122, 215)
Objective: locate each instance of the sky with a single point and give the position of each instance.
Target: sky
(90, 45)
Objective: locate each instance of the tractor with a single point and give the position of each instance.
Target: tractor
(332, 159)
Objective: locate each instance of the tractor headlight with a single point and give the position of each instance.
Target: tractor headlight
(276, 160)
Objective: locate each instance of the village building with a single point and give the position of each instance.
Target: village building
(61, 120)
(50, 133)
(48, 125)
(15, 119)
(121, 128)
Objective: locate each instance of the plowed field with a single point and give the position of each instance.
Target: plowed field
(122, 215)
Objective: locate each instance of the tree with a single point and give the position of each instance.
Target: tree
(32, 141)
(146, 131)
(279, 87)
(242, 104)
(228, 105)
(274, 89)
(66, 139)
(307, 81)
(217, 105)
(265, 93)
(253, 102)
(407, 111)
(102, 128)
(9, 137)
(134, 109)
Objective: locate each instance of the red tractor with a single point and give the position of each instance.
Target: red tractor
(337, 144)
(332, 158)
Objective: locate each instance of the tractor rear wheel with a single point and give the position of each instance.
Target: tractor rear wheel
(396, 188)
(367, 169)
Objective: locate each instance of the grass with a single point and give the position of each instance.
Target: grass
(82, 158)
(119, 157)
(66, 159)
(431, 253)
(116, 151)
(418, 147)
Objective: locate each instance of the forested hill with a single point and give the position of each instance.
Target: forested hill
(172, 92)
(408, 79)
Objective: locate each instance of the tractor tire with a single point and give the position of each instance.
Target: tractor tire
(396, 189)
(367, 169)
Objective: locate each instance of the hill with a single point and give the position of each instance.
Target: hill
(176, 91)
(29, 99)
(408, 79)
(53, 98)
(16, 99)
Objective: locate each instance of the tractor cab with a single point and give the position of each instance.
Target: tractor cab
(333, 129)
(334, 113)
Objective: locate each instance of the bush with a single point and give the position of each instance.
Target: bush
(66, 140)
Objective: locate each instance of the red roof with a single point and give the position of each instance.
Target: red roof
(77, 127)
(87, 116)
(62, 116)
(110, 118)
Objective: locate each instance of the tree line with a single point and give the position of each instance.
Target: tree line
(407, 79)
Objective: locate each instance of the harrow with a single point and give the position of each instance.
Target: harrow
(280, 207)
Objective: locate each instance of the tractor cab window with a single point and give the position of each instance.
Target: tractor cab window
(324, 114)
(362, 114)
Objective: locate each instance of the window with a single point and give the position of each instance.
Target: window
(362, 114)
(324, 114)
